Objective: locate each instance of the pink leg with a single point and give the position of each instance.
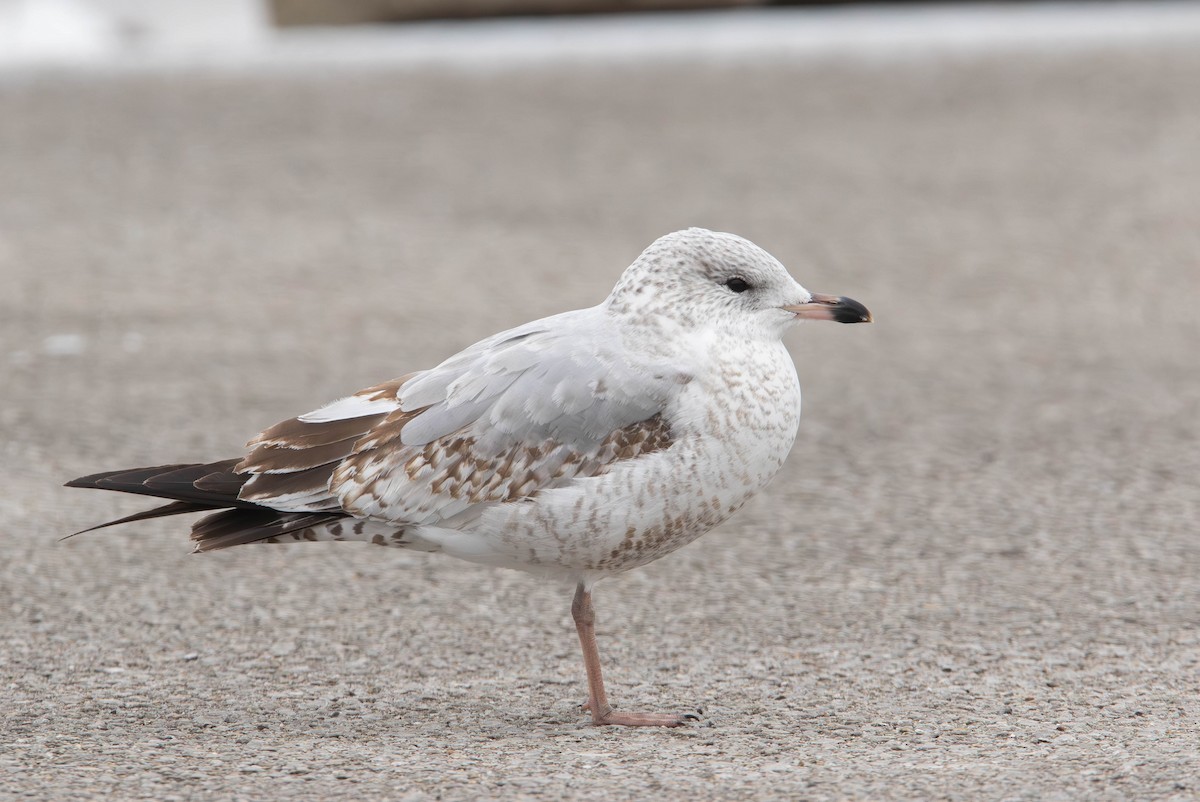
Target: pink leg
(602, 712)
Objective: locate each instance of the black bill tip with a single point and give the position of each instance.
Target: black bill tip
(848, 310)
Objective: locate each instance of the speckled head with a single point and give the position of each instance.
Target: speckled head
(702, 278)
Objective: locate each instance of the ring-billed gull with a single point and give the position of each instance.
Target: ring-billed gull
(577, 446)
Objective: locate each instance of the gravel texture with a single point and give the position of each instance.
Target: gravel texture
(978, 576)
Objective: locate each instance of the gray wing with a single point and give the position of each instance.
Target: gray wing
(525, 410)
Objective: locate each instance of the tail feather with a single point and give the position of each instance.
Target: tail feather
(205, 487)
(228, 528)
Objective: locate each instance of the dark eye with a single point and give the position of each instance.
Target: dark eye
(737, 284)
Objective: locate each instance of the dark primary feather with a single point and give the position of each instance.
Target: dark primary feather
(291, 457)
(174, 508)
(203, 487)
(212, 484)
(197, 487)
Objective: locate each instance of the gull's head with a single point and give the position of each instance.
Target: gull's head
(701, 278)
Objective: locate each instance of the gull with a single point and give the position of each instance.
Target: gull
(576, 447)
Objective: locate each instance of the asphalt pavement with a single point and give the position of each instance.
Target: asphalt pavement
(977, 577)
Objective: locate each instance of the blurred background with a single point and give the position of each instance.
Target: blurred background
(977, 576)
(74, 31)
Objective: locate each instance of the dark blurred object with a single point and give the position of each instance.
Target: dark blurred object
(352, 12)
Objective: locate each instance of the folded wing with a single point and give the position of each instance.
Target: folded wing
(525, 410)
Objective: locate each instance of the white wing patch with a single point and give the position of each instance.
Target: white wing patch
(353, 406)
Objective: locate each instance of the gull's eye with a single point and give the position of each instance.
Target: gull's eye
(738, 284)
